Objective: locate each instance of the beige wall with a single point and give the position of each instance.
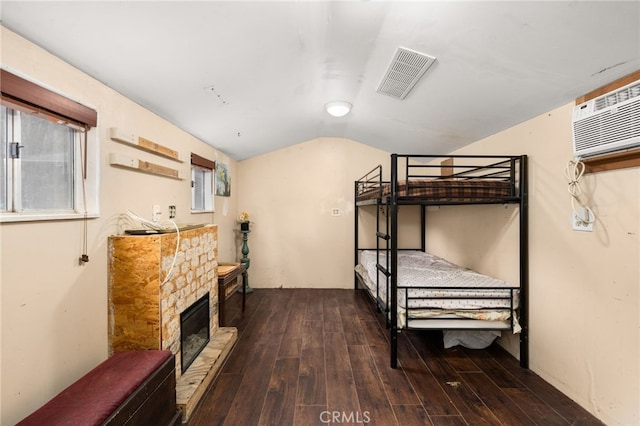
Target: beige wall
(584, 287)
(290, 193)
(53, 311)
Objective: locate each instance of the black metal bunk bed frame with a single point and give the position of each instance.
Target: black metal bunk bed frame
(511, 168)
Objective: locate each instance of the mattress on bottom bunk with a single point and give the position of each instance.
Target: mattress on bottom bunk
(475, 298)
(483, 319)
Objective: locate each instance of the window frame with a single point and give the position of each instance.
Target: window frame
(200, 163)
(25, 96)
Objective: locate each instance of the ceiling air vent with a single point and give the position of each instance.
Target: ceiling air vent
(403, 73)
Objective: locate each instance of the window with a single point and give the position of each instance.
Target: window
(45, 169)
(38, 159)
(201, 189)
(201, 184)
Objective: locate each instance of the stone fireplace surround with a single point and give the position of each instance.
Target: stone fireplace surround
(145, 305)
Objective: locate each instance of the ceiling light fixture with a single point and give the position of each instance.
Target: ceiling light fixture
(338, 108)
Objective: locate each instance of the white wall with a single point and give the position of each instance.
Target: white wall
(53, 317)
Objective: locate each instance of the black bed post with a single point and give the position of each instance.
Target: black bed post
(524, 264)
(394, 261)
(423, 227)
(355, 224)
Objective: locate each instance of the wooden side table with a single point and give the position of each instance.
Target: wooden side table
(228, 274)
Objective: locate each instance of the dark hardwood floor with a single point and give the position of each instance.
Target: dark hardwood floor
(318, 357)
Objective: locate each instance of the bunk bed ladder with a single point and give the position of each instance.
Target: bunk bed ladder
(356, 237)
(383, 235)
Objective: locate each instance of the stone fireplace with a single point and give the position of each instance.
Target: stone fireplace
(151, 285)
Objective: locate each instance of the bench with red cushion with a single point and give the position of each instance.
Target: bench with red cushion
(128, 388)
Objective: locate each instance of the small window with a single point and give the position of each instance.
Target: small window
(45, 169)
(202, 184)
(38, 164)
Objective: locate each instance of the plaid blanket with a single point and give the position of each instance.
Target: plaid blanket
(444, 189)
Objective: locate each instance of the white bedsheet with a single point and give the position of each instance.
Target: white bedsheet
(419, 269)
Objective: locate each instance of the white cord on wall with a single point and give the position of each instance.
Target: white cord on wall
(573, 172)
(175, 254)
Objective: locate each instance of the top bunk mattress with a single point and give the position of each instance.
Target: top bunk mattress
(451, 190)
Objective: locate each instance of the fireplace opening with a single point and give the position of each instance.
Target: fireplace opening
(194, 331)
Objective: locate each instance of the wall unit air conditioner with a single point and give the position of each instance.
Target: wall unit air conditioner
(608, 123)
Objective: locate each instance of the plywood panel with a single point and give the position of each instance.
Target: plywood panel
(152, 280)
(134, 284)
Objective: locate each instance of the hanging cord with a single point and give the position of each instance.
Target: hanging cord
(175, 254)
(84, 257)
(573, 172)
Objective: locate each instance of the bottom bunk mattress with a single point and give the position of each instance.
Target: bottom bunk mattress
(435, 293)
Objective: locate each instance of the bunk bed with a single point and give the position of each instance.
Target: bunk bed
(417, 290)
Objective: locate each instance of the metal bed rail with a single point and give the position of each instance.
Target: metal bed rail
(511, 297)
(370, 184)
(419, 172)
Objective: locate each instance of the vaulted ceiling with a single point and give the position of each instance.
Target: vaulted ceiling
(252, 77)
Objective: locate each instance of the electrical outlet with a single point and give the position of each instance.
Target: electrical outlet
(156, 213)
(582, 220)
(172, 212)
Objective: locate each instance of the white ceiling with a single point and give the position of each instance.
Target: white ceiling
(252, 77)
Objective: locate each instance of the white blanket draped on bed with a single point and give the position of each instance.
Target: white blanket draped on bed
(419, 269)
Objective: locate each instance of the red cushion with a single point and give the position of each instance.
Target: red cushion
(91, 399)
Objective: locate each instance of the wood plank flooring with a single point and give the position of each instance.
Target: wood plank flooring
(317, 357)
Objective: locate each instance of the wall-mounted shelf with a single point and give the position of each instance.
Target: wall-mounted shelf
(119, 160)
(144, 144)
